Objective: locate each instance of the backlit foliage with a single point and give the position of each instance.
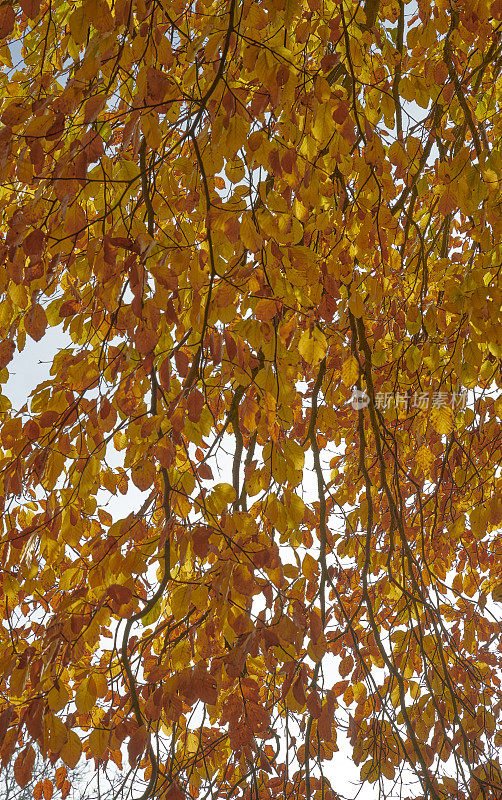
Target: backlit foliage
(231, 214)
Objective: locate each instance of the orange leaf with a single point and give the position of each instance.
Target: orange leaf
(23, 766)
(143, 475)
(195, 404)
(93, 107)
(35, 322)
(146, 341)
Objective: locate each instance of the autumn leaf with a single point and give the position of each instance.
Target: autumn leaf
(58, 697)
(30, 7)
(312, 346)
(249, 235)
(350, 371)
(7, 349)
(98, 742)
(7, 20)
(137, 744)
(86, 695)
(174, 792)
(33, 244)
(36, 322)
(146, 341)
(497, 593)
(143, 475)
(442, 419)
(93, 107)
(24, 765)
(72, 750)
(218, 220)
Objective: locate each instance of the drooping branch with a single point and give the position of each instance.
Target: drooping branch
(312, 435)
(452, 72)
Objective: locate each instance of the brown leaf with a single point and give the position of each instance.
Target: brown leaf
(7, 20)
(137, 744)
(15, 112)
(157, 83)
(93, 107)
(30, 7)
(23, 766)
(34, 243)
(182, 362)
(165, 453)
(326, 719)
(35, 322)
(38, 790)
(200, 541)
(346, 666)
(165, 374)
(299, 691)
(7, 349)
(174, 792)
(119, 596)
(146, 341)
(57, 127)
(314, 705)
(6, 717)
(195, 404)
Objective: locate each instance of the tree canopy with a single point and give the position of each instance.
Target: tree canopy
(266, 235)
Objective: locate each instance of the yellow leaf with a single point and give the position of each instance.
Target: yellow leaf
(424, 458)
(369, 771)
(128, 171)
(296, 508)
(86, 695)
(58, 697)
(101, 684)
(442, 419)
(225, 493)
(356, 304)
(250, 237)
(324, 123)
(312, 346)
(191, 743)
(413, 358)
(497, 593)
(350, 371)
(55, 733)
(98, 742)
(181, 655)
(10, 587)
(289, 11)
(71, 750)
(79, 25)
(309, 567)
(293, 452)
(151, 130)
